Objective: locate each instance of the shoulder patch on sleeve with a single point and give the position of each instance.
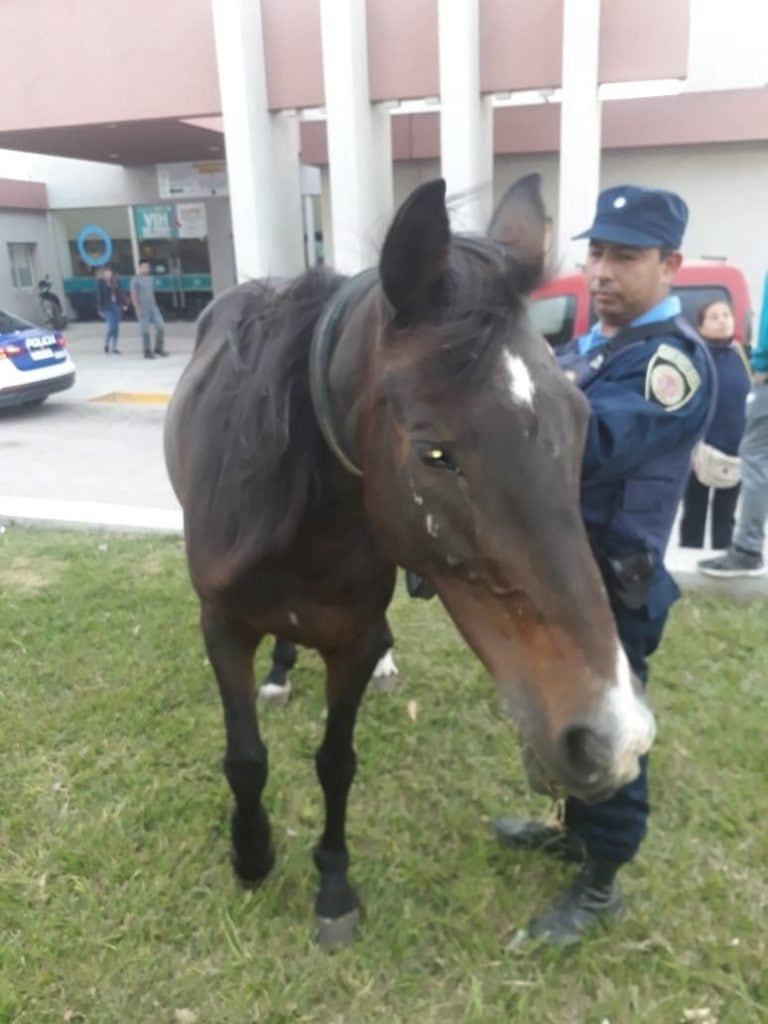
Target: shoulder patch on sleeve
(671, 379)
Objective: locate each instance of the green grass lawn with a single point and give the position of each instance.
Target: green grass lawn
(117, 903)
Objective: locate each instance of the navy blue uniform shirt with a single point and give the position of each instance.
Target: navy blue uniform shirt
(651, 391)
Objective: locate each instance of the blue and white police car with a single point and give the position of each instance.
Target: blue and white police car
(34, 362)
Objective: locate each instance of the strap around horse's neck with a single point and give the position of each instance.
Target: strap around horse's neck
(324, 339)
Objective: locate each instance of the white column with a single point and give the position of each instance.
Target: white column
(134, 238)
(466, 117)
(579, 129)
(309, 231)
(262, 150)
(359, 140)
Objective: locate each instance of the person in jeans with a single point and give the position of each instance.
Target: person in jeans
(716, 326)
(110, 301)
(744, 557)
(148, 312)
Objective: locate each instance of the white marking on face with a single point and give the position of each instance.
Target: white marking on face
(385, 666)
(293, 618)
(633, 721)
(416, 496)
(520, 381)
(433, 528)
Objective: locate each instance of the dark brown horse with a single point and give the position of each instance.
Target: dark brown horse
(428, 427)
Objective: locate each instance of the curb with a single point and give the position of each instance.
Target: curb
(88, 515)
(83, 515)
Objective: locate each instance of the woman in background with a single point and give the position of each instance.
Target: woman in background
(716, 326)
(111, 301)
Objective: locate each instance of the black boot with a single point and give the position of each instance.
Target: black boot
(519, 834)
(417, 586)
(594, 896)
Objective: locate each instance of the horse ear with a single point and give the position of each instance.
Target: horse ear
(520, 223)
(415, 251)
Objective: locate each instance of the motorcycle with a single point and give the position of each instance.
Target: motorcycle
(50, 304)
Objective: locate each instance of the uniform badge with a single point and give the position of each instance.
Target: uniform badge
(671, 378)
(598, 361)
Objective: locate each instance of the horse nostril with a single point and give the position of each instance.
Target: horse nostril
(586, 754)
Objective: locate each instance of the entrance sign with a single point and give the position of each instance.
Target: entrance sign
(192, 180)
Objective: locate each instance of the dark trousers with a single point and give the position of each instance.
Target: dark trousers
(694, 519)
(613, 830)
(284, 653)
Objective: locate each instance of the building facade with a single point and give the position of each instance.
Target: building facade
(183, 142)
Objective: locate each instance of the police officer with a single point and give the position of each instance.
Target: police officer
(650, 385)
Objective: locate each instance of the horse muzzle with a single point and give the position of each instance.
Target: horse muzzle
(591, 758)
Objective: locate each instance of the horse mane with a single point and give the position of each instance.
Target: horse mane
(258, 464)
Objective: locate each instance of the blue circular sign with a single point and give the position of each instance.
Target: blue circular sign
(90, 231)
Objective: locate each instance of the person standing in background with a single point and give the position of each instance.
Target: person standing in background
(716, 326)
(148, 312)
(110, 300)
(744, 556)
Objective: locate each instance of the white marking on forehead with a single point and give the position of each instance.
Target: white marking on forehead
(432, 527)
(293, 618)
(520, 381)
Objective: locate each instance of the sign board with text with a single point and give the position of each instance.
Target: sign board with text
(191, 221)
(154, 222)
(192, 180)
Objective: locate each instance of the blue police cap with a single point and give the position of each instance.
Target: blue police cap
(643, 217)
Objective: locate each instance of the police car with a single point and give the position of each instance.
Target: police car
(34, 362)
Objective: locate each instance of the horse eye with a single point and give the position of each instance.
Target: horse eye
(436, 456)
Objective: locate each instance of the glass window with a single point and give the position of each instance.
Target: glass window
(21, 256)
(554, 316)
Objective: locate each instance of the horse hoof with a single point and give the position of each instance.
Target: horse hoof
(338, 932)
(385, 676)
(273, 693)
(251, 872)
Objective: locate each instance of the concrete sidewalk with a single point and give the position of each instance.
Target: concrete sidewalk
(92, 458)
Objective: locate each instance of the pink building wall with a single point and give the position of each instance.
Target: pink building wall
(152, 59)
(142, 76)
(87, 61)
(23, 195)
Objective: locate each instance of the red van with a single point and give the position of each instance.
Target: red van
(561, 308)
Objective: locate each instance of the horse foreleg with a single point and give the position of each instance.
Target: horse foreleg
(337, 905)
(231, 645)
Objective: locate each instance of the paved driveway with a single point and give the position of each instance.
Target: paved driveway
(100, 442)
(93, 455)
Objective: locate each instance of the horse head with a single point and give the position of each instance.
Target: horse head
(470, 440)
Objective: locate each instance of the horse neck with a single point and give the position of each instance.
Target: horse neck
(352, 371)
